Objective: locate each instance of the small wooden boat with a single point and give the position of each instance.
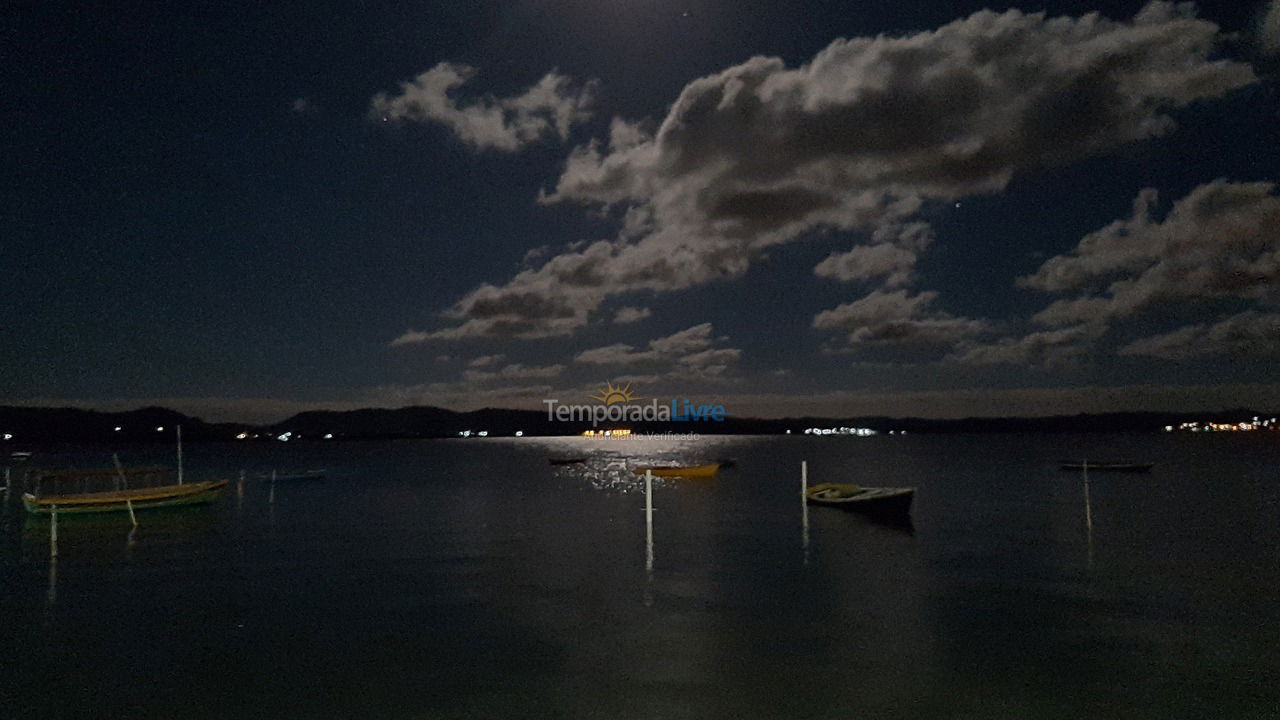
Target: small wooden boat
(1107, 466)
(883, 502)
(121, 500)
(566, 461)
(684, 471)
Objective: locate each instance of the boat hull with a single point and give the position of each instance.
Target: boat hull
(877, 502)
(304, 475)
(1108, 467)
(688, 471)
(120, 501)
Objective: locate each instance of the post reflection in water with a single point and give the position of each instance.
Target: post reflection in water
(648, 522)
(1088, 516)
(52, 594)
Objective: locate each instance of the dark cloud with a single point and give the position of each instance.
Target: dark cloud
(856, 139)
(897, 318)
(1047, 348)
(1248, 333)
(553, 105)
(1221, 241)
(690, 353)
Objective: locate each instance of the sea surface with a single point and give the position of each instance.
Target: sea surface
(472, 579)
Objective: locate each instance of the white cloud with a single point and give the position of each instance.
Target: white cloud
(411, 337)
(626, 315)
(552, 106)
(486, 360)
(689, 340)
(1269, 29)
(854, 140)
(616, 354)
(514, 371)
(890, 257)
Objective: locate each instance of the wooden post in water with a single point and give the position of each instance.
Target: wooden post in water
(804, 506)
(271, 497)
(128, 502)
(6, 478)
(648, 520)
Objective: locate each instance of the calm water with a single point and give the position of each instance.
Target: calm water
(452, 579)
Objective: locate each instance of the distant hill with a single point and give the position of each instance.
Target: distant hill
(33, 424)
(40, 424)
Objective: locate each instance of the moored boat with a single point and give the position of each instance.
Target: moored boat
(1106, 466)
(120, 498)
(124, 500)
(879, 501)
(684, 471)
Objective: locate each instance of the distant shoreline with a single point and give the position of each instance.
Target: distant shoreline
(26, 425)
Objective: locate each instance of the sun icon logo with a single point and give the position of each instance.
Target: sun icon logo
(611, 395)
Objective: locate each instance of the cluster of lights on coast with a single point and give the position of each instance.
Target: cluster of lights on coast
(282, 437)
(857, 432)
(1255, 424)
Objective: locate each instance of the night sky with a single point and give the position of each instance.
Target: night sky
(938, 209)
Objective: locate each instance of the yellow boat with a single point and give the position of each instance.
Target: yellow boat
(684, 471)
(122, 500)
